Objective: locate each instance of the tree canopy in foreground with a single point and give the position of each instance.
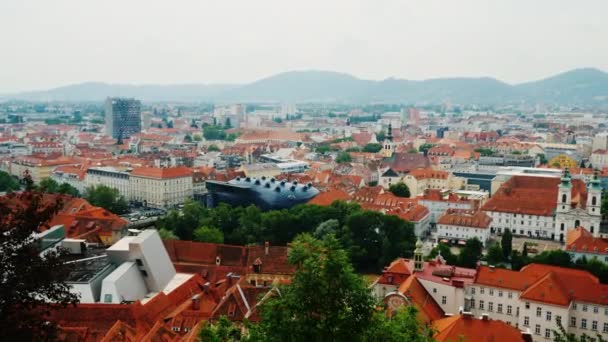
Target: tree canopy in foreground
(29, 282)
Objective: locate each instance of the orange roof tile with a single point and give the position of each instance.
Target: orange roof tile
(169, 172)
(582, 241)
(465, 327)
(428, 309)
(466, 218)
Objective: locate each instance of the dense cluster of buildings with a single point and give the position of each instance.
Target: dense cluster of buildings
(532, 301)
(470, 174)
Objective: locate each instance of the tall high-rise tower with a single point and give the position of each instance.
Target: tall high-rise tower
(123, 117)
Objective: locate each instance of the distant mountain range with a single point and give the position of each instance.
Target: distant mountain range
(579, 87)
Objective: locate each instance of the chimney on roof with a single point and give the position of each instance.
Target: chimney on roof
(266, 247)
(196, 302)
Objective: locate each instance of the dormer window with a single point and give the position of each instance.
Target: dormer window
(390, 279)
(218, 260)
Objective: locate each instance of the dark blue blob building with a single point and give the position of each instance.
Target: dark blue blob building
(266, 193)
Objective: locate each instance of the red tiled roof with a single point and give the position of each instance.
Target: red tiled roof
(533, 196)
(545, 283)
(582, 241)
(428, 309)
(200, 258)
(405, 162)
(461, 327)
(428, 173)
(169, 172)
(466, 218)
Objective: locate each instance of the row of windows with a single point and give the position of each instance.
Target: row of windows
(583, 325)
(499, 307)
(491, 291)
(585, 308)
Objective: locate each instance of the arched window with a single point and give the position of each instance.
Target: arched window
(564, 198)
(593, 200)
(591, 229)
(562, 227)
(577, 223)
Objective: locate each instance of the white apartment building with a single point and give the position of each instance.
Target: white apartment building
(161, 187)
(110, 177)
(461, 225)
(437, 203)
(153, 187)
(419, 180)
(545, 207)
(538, 297)
(599, 159)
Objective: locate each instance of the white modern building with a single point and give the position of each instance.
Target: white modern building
(136, 268)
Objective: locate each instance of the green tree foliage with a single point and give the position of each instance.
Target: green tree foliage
(506, 242)
(372, 148)
(401, 326)
(326, 301)
(561, 335)
(214, 132)
(324, 148)
(495, 254)
(400, 190)
(330, 226)
(206, 234)
(371, 238)
(380, 136)
(8, 182)
(25, 295)
(166, 234)
(213, 148)
(343, 157)
(221, 331)
(485, 152)
(51, 186)
(107, 198)
(470, 253)
(425, 147)
(197, 137)
(188, 138)
(446, 254)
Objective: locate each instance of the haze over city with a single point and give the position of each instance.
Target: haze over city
(48, 44)
(337, 170)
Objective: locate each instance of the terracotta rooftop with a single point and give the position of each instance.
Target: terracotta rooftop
(533, 196)
(466, 218)
(582, 241)
(428, 173)
(328, 197)
(548, 284)
(466, 327)
(164, 173)
(428, 309)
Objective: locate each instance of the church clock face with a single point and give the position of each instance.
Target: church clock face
(394, 302)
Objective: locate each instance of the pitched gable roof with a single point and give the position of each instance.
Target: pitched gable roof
(456, 328)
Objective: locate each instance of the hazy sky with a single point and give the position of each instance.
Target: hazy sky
(50, 43)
